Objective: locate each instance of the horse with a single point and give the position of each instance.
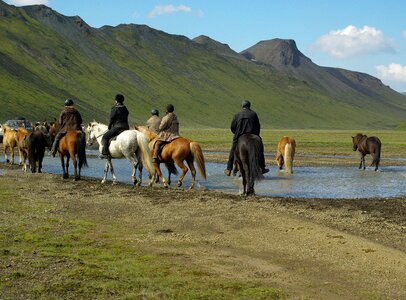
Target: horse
(285, 152)
(247, 155)
(9, 143)
(367, 145)
(73, 146)
(37, 141)
(130, 144)
(177, 151)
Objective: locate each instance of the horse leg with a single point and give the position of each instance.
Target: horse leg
(106, 170)
(64, 168)
(135, 163)
(192, 171)
(112, 171)
(360, 163)
(363, 160)
(244, 179)
(159, 174)
(184, 171)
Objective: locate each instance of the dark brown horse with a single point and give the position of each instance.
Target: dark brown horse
(36, 142)
(177, 151)
(73, 146)
(248, 157)
(367, 145)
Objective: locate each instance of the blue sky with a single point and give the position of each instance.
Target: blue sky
(360, 35)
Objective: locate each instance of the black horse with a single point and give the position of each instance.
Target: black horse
(248, 158)
(37, 141)
(367, 145)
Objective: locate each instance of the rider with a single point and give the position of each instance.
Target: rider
(245, 121)
(154, 121)
(118, 123)
(168, 131)
(69, 120)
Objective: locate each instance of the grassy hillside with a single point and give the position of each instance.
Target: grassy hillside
(46, 57)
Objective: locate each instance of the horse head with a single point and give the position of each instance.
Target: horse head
(355, 141)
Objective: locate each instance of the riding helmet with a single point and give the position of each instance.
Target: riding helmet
(119, 98)
(69, 102)
(170, 108)
(155, 112)
(246, 104)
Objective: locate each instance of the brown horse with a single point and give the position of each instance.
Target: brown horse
(36, 142)
(73, 146)
(285, 152)
(177, 151)
(367, 145)
(9, 143)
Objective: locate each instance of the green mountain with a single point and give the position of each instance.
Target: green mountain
(46, 57)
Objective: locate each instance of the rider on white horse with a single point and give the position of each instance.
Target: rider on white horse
(118, 123)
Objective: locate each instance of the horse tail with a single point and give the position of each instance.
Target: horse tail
(81, 149)
(377, 154)
(146, 157)
(288, 158)
(198, 156)
(32, 149)
(255, 160)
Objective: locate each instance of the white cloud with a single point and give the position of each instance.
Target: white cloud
(392, 72)
(404, 34)
(27, 2)
(168, 9)
(352, 41)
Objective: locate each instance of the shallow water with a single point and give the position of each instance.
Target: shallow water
(306, 182)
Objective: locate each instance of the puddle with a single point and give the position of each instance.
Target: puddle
(306, 182)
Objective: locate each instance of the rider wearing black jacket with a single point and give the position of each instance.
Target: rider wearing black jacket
(118, 123)
(245, 121)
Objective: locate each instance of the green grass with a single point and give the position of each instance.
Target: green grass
(49, 249)
(40, 67)
(308, 141)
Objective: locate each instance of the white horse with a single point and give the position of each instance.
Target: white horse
(130, 144)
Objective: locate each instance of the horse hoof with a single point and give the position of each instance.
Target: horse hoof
(65, 176)
(179, 183)
(114, 183)
(103, 181)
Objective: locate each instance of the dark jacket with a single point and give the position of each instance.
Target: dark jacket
(69, 120)
(245, 121)
(119, 117)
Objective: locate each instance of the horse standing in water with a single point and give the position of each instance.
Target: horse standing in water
(285, 152)
(130, 144)
(248, 158)
(73, 146)
(367, 145)
(177, 151)
(10, 141)
(37, 141)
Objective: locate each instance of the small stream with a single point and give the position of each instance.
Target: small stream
(307, 182)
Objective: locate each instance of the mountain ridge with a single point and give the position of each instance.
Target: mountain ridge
(47, 57)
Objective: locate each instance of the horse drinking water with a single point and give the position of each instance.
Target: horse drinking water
(248, 158)
(285, 152)
(367, 145)
(130, 144)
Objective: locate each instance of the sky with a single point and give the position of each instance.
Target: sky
(367, 36)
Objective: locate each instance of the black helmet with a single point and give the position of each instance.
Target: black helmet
(119, 98)
(170, 108)
(69, 102)
(155, 112)
(246, 104)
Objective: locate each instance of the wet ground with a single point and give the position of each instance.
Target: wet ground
(306, 182)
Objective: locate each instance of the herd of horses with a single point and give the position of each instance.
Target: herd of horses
(136, 146)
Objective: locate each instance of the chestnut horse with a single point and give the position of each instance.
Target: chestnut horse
(367, 145)
(285, 152)
(177, 151)
(73, 146)
(10, 141)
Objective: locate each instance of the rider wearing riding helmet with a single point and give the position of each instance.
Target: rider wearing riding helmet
(69, 120)
(168, 131)
(245, 121)
(118, 123)
(154, 121)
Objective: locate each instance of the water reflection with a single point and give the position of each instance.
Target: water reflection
(306, 182)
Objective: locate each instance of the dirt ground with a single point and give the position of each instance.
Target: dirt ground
(310, 248)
